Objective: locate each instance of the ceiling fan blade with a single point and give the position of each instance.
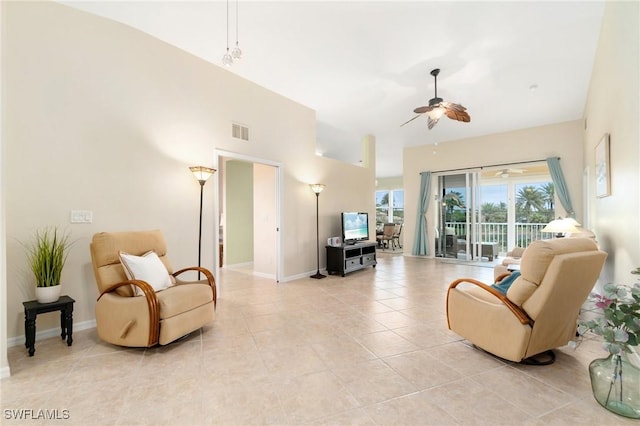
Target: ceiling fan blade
(423, 109)
(410, 120)
(457, 114)
(453, 106)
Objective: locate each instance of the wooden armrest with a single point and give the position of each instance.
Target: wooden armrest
(152, 304)
(207, 274)
(515, 309)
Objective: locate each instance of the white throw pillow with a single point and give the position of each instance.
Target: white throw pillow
(147, 267)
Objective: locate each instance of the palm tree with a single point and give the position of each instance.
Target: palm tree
(494, 212)
(452, 200)
(549, 192)
(530, 198)
(384, 201)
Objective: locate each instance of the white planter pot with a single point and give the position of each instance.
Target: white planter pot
(48, 294)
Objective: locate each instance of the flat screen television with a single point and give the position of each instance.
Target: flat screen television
(355, 227)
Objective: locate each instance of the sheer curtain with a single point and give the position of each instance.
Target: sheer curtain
(420, 240)
(560, 185)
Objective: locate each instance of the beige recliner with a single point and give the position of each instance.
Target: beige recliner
(153, 317)
(540, 309)
(513, 257)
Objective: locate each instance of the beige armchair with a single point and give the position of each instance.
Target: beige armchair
(153, 317)
(540, 309)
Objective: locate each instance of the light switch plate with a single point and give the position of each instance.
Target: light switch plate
(81, 216)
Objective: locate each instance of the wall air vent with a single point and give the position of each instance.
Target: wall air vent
(239, 131)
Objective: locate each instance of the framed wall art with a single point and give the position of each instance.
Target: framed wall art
(603, 173)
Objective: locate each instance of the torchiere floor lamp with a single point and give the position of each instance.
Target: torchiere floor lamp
(202, 174)
(317, 189)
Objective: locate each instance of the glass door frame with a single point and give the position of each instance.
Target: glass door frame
(471, 203)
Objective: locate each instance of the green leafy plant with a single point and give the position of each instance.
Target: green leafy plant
(47, 255)
(620, 323)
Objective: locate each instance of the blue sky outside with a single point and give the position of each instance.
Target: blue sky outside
(398, 198)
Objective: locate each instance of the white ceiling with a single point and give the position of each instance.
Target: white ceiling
(364, 65)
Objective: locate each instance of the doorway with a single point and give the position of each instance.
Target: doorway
(249, 214)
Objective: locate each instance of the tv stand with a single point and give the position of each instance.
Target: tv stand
(350, 257)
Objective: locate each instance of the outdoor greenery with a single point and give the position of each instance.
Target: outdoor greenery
(534, 204)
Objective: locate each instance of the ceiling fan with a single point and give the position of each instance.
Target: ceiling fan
(438, 107)
(506, 172)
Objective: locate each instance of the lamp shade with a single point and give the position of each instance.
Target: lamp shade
(560, 226)
(202, 173)
(316, 187)
(572, 221)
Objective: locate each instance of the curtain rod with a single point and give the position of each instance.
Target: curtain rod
(492, 165)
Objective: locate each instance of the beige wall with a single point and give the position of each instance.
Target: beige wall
(105, 118)
(562, 140)
(612, 107)
(389, 183)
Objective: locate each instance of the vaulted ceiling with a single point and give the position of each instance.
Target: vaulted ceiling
(364, 65)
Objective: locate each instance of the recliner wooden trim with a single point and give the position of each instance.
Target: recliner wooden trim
(515, 309)
(207, 273)
(501, 277)
(152, 303)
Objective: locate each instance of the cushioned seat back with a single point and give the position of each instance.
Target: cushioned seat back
(106, 247)
(557, 276)
(555, 305)
(536, 260)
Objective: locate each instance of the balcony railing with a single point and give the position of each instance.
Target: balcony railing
(497, 233)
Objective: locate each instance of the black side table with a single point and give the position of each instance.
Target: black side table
(31, 310)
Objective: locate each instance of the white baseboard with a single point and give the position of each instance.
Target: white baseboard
(300, 276)
(44, 334)
(263, 275)
(243, 265)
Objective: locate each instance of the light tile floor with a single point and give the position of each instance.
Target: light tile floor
(371, 348)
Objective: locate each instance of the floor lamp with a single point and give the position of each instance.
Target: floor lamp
(202, 174)
(317, 189)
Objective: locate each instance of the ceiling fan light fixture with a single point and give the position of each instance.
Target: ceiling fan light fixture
(438, 107)
(436, 113)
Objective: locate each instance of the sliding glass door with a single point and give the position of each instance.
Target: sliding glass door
(484, 213)
(457, 201)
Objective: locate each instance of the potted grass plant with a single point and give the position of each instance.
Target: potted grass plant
(47, 256)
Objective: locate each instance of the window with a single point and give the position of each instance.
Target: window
(389, 207)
